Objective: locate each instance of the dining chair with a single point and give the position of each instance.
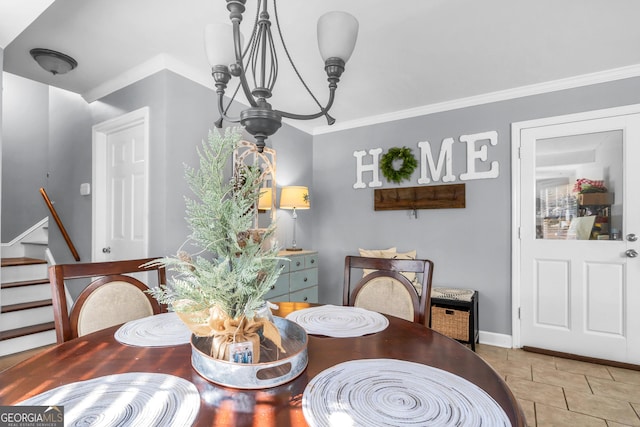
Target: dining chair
(384, 288)
(112, 297)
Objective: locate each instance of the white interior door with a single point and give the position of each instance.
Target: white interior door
(576, 277)
(120, 202)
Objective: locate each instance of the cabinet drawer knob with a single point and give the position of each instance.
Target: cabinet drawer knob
(305, 279)
(297, 263)
(305, 298)
(273, 287)
(313, 261)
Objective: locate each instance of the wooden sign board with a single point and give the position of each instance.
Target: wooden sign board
(425, 197)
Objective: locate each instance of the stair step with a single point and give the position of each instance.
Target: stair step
(35, 242)
(27, 342)
(27, 330)
(11, 262)
(26, 305)
(23, 283)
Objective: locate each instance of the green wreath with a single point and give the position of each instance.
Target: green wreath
(409, 164)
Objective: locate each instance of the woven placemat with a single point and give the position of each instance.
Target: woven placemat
(339, 321)
(131, 399)
(161, 330)
(452, 293)
(389, 392)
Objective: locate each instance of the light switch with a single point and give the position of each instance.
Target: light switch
(85, 189)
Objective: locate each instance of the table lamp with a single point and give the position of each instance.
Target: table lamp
(294, 197)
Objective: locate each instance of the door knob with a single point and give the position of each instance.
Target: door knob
(632, 237)
(106, 250)
(631, 253)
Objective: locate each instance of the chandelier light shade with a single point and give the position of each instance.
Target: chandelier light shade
(294, 197)
(219, 44)
(256, 65)
(337, 35)
(52, 61)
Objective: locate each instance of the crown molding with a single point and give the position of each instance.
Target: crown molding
(503, 95)
(154, 65)
(167, 62)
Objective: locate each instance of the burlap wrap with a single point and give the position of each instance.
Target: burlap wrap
(224, 330)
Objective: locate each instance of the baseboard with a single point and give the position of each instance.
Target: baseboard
(497, 340)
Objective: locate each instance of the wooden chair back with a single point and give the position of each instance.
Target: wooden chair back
(111, 298)
(381, 284)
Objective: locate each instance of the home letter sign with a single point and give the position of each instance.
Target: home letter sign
(373, 167)
(481, 154)
(444, 160)
(442, 170)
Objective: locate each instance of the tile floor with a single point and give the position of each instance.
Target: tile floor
(553, 392)
(560, 392)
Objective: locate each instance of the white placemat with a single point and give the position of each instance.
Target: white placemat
(339, 321)
(161, 330)
(132, 399)
(389, 392)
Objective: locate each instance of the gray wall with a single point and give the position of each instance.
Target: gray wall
(471, 247)
(181, 114)
(69, 166)
(45, 130)
(25, 135)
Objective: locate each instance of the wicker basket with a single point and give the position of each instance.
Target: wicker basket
(450, 322)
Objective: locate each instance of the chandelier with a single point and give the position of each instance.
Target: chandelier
(256, 65)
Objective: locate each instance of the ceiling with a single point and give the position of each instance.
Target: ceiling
(410, 56)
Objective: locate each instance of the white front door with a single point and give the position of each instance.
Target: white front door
(120, 202)
(576, 277)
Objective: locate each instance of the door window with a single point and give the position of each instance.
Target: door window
(579, 187)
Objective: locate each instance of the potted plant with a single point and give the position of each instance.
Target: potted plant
(219, 291)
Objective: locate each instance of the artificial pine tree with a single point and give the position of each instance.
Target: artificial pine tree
(218, 291)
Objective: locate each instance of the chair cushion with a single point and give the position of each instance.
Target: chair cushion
(112, 304)
(378, 253)
(386, 295)
(392, 253)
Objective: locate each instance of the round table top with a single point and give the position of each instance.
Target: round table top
(99, 354)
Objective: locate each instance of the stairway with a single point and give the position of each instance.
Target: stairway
(26, 313)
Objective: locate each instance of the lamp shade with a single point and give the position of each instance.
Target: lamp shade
(294, 197)
(265, 201)
(337, 35)
(218, 43)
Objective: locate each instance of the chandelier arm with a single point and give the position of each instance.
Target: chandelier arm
(223, 115)
(233, 97)
(295, 69)
(223, 110)
(324, 111)
(238, 67)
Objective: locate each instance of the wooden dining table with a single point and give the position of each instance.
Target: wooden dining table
(100, 354)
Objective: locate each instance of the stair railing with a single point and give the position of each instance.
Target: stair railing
(60, 225)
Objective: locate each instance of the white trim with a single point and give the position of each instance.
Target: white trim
(494, 339)
(516, 131)
(49, 257)
(503, 95)
(167, 62)
(100, 132)
(146, 69)
(24, 234)
(515, 235)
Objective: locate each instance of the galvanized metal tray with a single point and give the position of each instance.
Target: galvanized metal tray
(273, 369)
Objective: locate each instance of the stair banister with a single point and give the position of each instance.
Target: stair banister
(67, 239)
